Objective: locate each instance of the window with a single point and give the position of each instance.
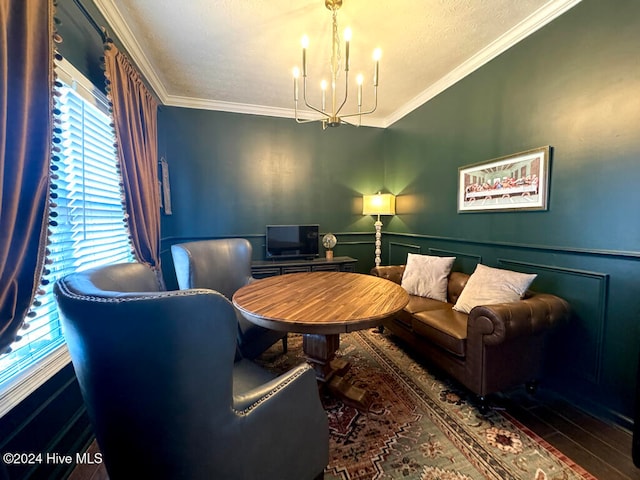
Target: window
(87, 226)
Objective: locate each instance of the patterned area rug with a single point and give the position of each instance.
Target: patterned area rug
(419, 426)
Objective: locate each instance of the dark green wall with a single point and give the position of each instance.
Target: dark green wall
(573, 85)
(233, 174)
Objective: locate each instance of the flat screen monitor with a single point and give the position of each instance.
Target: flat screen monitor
(292, 241)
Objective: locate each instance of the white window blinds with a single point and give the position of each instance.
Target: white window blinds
(87, 225)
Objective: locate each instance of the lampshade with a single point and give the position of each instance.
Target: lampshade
(379, 204)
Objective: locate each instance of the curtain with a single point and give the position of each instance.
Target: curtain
(135, 118)
(26, 129)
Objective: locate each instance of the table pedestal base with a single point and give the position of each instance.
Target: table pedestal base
(350, 394)
(320, 351)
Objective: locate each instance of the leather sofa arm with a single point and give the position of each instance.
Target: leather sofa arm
(391, 272)
(502, 322)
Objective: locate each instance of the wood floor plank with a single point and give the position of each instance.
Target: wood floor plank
(525, 416)
(577, 434)
(591, 441)
(90, 471)
(614, 435)
(586, 459)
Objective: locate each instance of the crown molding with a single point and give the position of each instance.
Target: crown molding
(232, 107)
(549, 12)
(244, 108)
(546, 14)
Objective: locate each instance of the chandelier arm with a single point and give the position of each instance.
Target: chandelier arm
(316, 109)
(346, 93)
(307, 104)
(358, 114)
(342, 120)
(302, 120)
(309, 120)
(375, 106)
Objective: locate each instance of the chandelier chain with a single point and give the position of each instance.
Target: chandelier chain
(335, 53)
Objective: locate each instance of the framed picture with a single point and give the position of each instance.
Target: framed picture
(515, 182)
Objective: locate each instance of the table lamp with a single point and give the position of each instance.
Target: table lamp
(379, 204)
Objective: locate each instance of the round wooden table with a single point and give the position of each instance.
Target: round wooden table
(322, 305)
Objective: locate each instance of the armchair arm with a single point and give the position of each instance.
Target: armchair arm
(391, 272)
(285, 412)
(252, 398)
(504, 321)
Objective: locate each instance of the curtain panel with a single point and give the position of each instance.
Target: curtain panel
(135, 118)
(26, 85)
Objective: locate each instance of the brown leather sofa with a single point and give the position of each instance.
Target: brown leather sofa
(492, 348)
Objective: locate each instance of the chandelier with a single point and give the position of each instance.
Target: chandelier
(332, 116)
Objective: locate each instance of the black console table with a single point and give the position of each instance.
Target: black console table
(269, 268)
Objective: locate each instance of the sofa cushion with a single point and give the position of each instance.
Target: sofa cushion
(488, 286)
(420, 304)
(417, 304)
(445, 327)
(427, 275)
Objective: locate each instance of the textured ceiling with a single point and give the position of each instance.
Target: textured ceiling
(237, 55)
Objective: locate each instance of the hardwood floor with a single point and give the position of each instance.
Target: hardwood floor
(90, 472)
(601, 448)
(604, 450)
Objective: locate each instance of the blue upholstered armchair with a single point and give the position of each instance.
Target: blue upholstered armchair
(224, 265)
(165, 397)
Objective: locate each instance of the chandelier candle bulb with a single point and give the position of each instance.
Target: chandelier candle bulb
(377, 53)
(359, 80)
(305, 44)
(323, 86)
(347, 38)
(296, 74)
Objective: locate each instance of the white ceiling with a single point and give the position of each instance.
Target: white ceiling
(237, 55)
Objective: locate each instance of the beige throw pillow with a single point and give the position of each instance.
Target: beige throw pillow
(427, 276)
(488, 286)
